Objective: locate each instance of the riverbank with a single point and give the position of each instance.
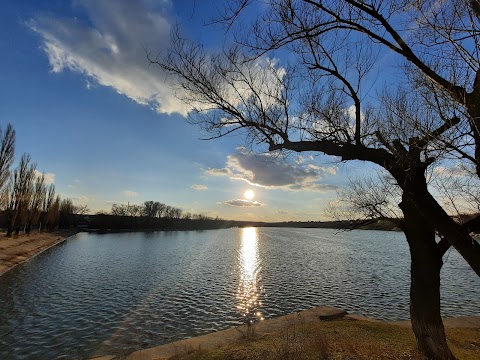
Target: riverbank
(18, 249)
(319, 333)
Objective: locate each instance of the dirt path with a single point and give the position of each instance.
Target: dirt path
(16, 250)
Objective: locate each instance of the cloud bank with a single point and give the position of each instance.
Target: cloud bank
(199, 187)
(266, 171)
(49, 178)
(108, 47)
(130, 193)
(243, 203)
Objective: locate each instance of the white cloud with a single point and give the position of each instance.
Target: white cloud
(243, 203)
(332, 170)
(130, 193)
(81, 199)
(219, 172)
(108, 48)
(451, 171)
(266, 171)
(49, 177)
(264, 73)
(199, 187)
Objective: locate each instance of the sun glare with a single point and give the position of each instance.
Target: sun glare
(249, 194)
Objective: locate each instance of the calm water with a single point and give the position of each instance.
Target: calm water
(114, 293)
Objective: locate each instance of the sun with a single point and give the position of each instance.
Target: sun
(249, 194)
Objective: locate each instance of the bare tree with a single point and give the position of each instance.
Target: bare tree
(36, 203)
(134, 210)
(306, 108)
(66, 213)
(20, 194)
(51, 208)
(7, 151)
(47, 204)
(160, 209)
(168, 212)
(177, 213)
(366, 199)
(119, 210)
(81, 209)
(149, 209)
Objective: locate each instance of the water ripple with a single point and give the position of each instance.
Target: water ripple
(114, 293)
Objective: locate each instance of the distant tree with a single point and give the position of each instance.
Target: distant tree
(47, 204)
(168, 212)
(7, 152)
(160, 209)
(52, 209)
(150, 209)
(119, 210)
(134, 210)
(66, 214)
(19, 194)
(81, 209)
(177, 213)
(36, 203)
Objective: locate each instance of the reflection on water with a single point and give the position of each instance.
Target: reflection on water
(249, 290)
(115, 293)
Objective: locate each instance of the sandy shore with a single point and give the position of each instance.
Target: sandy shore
(16, 250)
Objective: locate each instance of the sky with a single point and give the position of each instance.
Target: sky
(106, 127)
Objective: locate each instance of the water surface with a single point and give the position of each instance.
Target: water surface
(114, 293)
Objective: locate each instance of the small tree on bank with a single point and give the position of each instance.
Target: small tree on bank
(305, 108)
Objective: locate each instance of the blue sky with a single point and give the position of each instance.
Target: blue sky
(107, 128)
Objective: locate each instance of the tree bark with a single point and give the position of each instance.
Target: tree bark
(473, 108)
(455, 233)
(426, 263)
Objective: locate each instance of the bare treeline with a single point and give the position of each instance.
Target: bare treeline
(27, 201)
(155, 209)
(153, 215)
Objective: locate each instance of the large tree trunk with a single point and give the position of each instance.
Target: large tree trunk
(426, 262)
(473, 108)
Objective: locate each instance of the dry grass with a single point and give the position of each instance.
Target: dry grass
(342, 339)
(15, 250)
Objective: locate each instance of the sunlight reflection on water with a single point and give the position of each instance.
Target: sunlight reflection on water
(115, 293)
(249, 290)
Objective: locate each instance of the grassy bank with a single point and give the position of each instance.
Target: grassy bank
(323, 332)
(347, 338)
